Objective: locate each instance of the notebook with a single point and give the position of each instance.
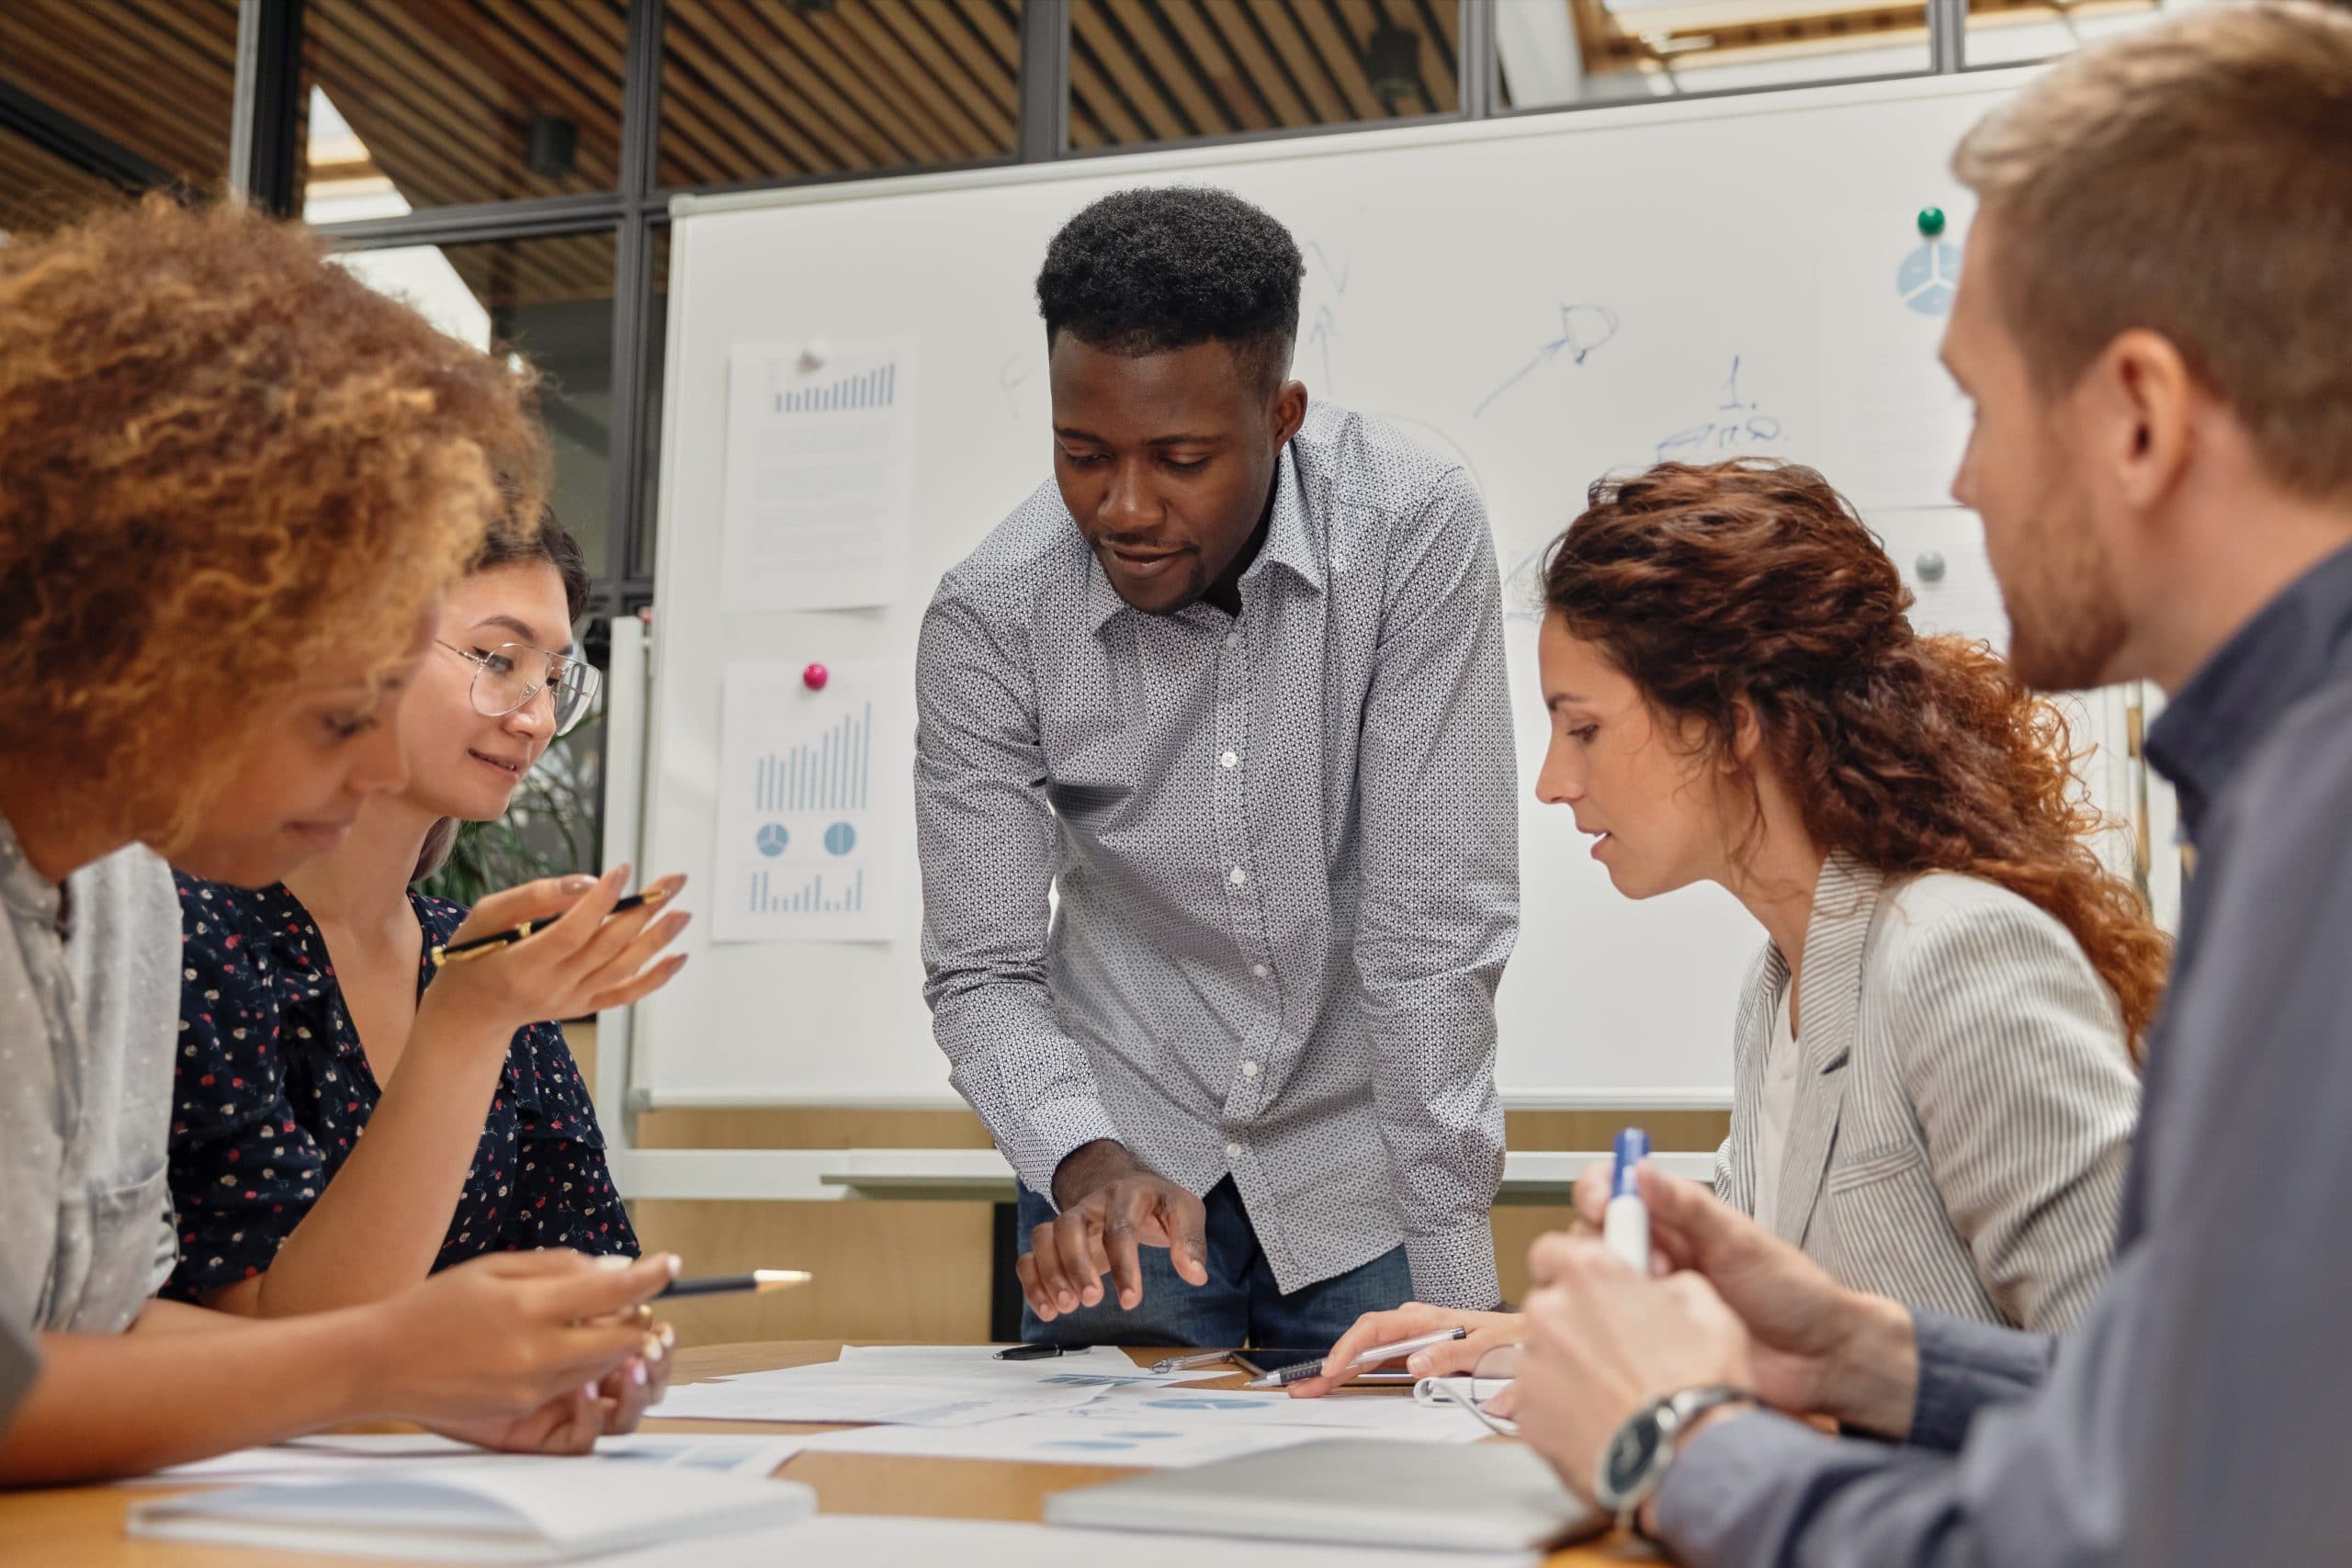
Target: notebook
(1489, 1496)
(549, 1510)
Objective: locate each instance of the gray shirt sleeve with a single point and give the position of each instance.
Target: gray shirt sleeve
(989, 843)
(1441, 892)
(20, 1364)
(2196, 1415)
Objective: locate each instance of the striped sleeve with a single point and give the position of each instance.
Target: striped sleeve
(2013, 1055)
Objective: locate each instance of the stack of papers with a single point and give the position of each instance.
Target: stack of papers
(512, 1510)
(718, 1453)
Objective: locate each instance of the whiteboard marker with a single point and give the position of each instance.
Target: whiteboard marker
(1625, 1224)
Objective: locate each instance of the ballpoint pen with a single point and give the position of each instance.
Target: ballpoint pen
(1370, 1357)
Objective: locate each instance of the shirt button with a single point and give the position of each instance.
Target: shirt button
(1259, 970)
(1233, 639)
(1233, 1151)
(1248, 1069)
(1236, 876)
(1232, 759)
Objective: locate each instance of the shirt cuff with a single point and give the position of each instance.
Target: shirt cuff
(1455, 1268)
(1048, 1134)
(19, 1365)
(1966, 1365)
(1722, 1479)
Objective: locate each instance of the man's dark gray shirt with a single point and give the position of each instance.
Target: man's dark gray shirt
(2198, 1412)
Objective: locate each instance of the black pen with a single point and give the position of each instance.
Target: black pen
(1038, 1352)
(758, 1280)
(474, 947)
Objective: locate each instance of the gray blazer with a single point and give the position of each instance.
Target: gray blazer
(1967, 1103)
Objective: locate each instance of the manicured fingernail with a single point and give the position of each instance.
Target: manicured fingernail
(614, 1260)
(636, 1373)
(652, 1347)
(669, 1335)
(675, 1263)
(580, 884)
(589, 1388)
(1418, 1363)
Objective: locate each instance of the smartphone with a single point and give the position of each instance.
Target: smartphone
(1265, 1360)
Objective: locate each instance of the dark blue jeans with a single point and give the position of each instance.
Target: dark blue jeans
(1240, 1306)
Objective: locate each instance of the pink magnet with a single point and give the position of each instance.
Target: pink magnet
(815, 677)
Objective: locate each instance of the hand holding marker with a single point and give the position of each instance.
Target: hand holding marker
(1625, 1224)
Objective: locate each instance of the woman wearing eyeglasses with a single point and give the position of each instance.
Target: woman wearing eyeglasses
(313, 1009)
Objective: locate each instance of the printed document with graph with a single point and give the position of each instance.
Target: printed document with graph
(820, 470)
(814, 812)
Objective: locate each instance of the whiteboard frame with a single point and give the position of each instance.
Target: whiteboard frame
(639, 1095)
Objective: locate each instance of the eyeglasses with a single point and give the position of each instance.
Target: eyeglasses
(513, 673)
(1493, 1373)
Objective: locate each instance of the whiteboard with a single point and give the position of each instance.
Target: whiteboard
(1541, 299)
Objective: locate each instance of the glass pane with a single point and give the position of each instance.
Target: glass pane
(551, 302)
(2013, 32)
(1558, 52)
(772, 89)
(1144, 71)
(429, 103)
(92, 68)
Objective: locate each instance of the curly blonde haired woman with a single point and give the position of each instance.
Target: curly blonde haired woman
(235, 482)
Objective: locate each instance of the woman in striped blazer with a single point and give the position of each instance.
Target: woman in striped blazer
(1933, 1059)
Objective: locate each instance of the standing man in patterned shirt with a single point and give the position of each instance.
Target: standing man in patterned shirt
(1231, 688)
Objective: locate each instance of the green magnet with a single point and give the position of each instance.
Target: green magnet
(1931, 222)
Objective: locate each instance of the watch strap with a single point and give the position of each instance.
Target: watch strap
(1671, 1413)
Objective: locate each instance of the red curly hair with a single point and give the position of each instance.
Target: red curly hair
(1754, 582)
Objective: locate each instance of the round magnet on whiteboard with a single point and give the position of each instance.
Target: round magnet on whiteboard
(815, 677)
(1931, 222)
(1929, 566)
(814, 353)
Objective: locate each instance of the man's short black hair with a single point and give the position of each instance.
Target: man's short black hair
(1146, 271)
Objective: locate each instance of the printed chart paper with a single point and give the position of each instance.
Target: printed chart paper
(820, 475)
(814, 803)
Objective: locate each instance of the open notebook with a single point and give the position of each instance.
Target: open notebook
(547, 1510)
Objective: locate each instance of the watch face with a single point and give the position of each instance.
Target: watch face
(1631, 1453)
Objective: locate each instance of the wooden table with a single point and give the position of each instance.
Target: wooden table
(81, 1527)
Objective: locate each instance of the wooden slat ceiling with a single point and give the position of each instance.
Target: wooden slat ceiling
(105, 63)
(1164, 70)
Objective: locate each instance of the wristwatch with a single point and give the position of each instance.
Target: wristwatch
(1635, 1461)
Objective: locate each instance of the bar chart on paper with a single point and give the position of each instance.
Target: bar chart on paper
(812, 802)
(819, 455)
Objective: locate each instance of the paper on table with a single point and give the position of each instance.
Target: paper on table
(1138, 1442)
(1098, 1368)
(1162, 1434)
(1370, 1416)
(724, 1453)
(828, 1392)
(872, 1542)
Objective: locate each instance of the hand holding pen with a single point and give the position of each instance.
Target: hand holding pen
(561, 947)
(1334, 1367)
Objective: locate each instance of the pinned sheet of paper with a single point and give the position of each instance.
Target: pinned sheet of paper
(819, 474)
(813, 807)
